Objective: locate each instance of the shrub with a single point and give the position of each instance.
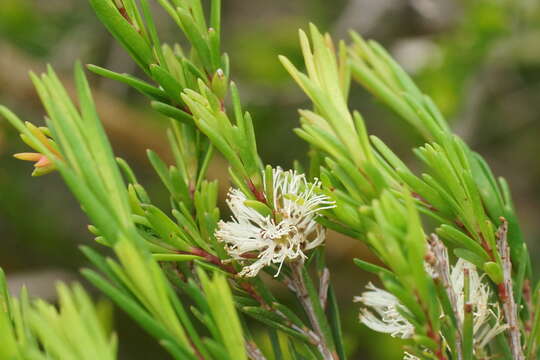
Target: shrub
(459, 289)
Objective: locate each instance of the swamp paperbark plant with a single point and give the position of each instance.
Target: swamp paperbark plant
(192, 280)
(379, 201)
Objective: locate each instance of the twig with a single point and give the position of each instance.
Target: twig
(213, 259)
(506, 293)
(299, 287)
(253, 351)
(527, 296)
(313, 338)
(324, 283)
(250, 289)
(431, 333)
(441, 266)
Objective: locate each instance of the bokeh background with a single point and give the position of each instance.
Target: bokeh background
(479, 59)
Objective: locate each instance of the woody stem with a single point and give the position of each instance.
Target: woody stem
(299, 286)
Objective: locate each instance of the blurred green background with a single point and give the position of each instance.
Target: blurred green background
(479, 59)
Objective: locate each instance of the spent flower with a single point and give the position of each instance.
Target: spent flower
(408, 356)
(487, 318)
(284, 234)
(385, 317)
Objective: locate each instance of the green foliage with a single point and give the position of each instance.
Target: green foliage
(34, 329)
(192, 281)
(458, 190)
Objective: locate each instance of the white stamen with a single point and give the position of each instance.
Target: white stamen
(483, 310)
(388, 319)
(276, 238)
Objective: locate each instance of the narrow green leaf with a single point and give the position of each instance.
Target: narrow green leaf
(175, 257)
(171, 86)
(269, 319)
(494, 271)
(372, 268)
(219, 297)
(470, 257)
(458, 238)
(260, 207)
(177, 351)
(335, 322)
(172, 112)
(139, 85)
(144, 319)
(124, 32)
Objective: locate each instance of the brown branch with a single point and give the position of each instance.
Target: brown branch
(253, 351)
(299, 287)
(506, 294)
(324, 283)
(440, 263)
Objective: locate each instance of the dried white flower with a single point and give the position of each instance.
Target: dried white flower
(407, 356)
(285, 234)
(388, 319)
(428, 268)
(487, 317)
(483, 310)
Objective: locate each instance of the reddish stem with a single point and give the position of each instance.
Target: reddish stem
(259, 195)
(213, 259)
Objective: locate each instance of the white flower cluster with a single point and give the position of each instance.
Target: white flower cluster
(385, 318)
(285, 234)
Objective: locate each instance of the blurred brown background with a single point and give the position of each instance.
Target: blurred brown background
(479, 59)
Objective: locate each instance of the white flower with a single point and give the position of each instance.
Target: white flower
(285, 234)
(483, 310)
(388, 319)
